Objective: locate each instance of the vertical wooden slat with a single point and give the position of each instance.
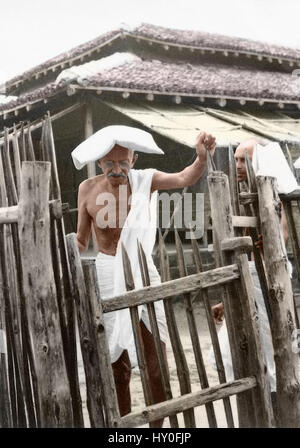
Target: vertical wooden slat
(88, 343)
(180, 359)
(12, 305)
(283, 322)
(5, 410)
(38, 280)
(8, 174)
(194, 333)
(13, 302)
(63, 280)
(171, 222)
(140, 351)
(17, 303)
(290, 160)
(221, 212)
(17, 161)
(30, 144)
(213, 333)
(22, 144)
(51, 155)
(109, 391)
(101, 395)
(253, 406)
(233, 183)
(210, 162)
(252, 210)
(293, 234)
(155, 331)
(9, 413)
(261, 394)
(11, 376)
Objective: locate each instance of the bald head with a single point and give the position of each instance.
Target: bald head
(240, 154)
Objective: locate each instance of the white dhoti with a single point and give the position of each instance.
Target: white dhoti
(105, 271)
(140, 225)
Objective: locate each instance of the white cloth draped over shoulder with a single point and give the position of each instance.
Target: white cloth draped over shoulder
(140, 225)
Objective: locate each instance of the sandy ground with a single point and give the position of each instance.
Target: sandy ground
(205, 342)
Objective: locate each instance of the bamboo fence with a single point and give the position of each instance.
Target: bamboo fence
(48, 291)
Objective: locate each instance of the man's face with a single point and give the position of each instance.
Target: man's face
(240, 155)
(117, 164)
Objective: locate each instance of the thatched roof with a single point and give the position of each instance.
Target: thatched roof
(41, 93)
(67, 55)
(213, 79)
(216, 41)
(184, 79)
(158, 34)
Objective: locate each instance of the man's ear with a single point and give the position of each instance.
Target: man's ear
(134, 159)
(99, 164)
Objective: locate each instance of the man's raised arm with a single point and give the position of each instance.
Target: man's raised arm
(84, 219)
(191, 174)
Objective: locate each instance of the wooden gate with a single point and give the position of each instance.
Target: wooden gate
(45, 282)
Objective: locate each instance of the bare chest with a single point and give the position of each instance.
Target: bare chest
(109, 210)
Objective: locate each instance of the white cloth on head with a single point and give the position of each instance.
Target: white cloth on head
(269, 160)
(101, 143)
(297, 163)
(140, 225)
(264, 334)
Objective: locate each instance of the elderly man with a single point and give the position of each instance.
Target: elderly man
(104, 203)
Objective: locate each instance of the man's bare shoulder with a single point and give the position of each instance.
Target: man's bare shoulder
(91, 182)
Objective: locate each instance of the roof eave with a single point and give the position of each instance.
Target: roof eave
(151, 95)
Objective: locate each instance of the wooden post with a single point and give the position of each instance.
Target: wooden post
(41, 301)
(283, 316)
(250, 344)
(110, 400)
(11, 293)
(63, 280)
(97, 399)
(252, 209)
(23, 353)
(233, 299)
